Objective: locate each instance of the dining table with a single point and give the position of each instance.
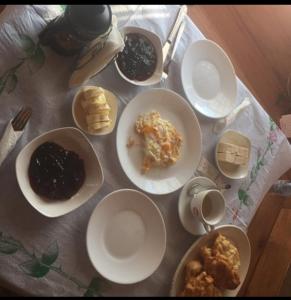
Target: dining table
(40, 80)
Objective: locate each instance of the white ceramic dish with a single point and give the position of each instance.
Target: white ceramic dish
(237, 236)
(230, 170)
(156, 77)
(126, 237)
(209, 79)
(72, 139)
(174, 108)
(79, 115)
(189, 222)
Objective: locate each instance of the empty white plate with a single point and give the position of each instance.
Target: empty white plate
(233, 233)
(126, 237)
(209, 79)
(175, 109)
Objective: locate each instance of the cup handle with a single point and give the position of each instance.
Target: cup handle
(208, 227)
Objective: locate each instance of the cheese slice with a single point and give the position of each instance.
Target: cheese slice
(97, 126)
(233, 154)
(93, 93)
(94, 118)
(96, 109)
(97, 100)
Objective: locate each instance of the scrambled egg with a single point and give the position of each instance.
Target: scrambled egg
(162, 142)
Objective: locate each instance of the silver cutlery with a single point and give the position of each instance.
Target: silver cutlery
(176, 43)
(222, 123)
(180, 17)
(21, 119)
(13, 132)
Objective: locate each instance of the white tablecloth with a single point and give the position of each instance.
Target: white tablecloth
(41, 82)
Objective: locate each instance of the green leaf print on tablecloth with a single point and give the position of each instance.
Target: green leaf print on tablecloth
(39, 266)
(243, 192)
(34, 57)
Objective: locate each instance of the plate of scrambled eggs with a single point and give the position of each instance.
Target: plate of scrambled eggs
(159, 141)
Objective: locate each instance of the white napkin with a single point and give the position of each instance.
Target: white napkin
(8, 141)
(97, 61)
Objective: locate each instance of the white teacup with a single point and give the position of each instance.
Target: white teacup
(209, 207)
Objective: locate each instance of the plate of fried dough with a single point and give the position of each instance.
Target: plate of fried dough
(215, 265)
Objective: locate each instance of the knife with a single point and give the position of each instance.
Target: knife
(179, 19)
(176, 43)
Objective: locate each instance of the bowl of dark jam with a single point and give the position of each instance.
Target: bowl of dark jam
(141, 61)
(59, 171)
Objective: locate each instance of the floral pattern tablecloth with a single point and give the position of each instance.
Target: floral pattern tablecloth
(47, 257)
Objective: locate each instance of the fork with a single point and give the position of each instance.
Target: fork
(21, 119)
(13, 132)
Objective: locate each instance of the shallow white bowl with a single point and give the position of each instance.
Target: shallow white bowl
(156, 77)
(175, 109)
(126, 237)
(79, 114)
(72, 139)
(230, 170)
(209, 79)
(237, 236)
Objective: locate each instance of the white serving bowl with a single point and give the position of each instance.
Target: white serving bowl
(126, 237)
(79, 114)
(233, 233)
(72, 139)
(157, 74)
(230, 170)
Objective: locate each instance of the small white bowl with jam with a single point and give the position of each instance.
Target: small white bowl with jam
(141, 61)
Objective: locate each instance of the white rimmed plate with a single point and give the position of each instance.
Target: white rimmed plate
(71, 139)
(79, 114)
(209, 79)
(240, 240)
(126, 237)
(174, 108)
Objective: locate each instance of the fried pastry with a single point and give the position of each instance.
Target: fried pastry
(193, 268)
(222, 246)
(216, 270)
(201, 285)
(218, 266)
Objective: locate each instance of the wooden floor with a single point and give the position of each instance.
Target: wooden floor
(257, 38)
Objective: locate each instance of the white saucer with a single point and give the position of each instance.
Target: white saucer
(189, 222)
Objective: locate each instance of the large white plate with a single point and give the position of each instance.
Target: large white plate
(237, 236)
(208, 79)
(126, 237)
(175, 109)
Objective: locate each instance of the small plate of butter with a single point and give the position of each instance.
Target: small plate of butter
(95, 110)
(232, 154)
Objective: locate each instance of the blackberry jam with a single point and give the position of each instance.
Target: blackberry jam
(54, 172)
(138, 59)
